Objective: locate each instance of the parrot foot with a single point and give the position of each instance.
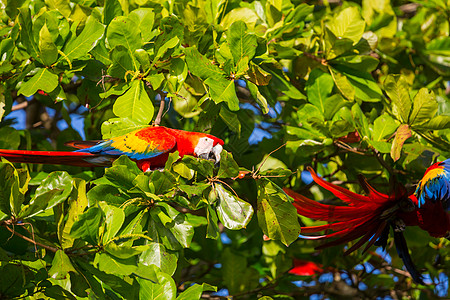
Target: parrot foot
(399, 225)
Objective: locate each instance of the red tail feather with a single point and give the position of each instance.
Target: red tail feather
(363, 217)
(49, 157)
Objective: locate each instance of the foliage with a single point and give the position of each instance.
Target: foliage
(351, 88)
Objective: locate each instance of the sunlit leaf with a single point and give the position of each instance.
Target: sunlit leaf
(233, 212)
(277, 217)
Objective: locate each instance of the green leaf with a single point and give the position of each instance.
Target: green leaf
(438, 122)
(42, 80)
(124, 63)
(318, 87)
(200, 66)
(283, 83)
(257, 75)
(223, 90)
(348, 24)
(155, 80)
(114, 218)
(12, 285)
(113, 265)
(106, 192)
(172, 34)
(384, 126)
(52, 191)
(231, 119)
(111, 10)
(363, 84)
(194, 292)
(166, 46)
(241, 43)
(277, 217)
(228, 167)
(61, 266)
(122, 248)
(397, 89)
(162, 182)
(202, 166)
(119, 126)
(123, 172)
(165, 289)
(88, 225)
(244, 14)
(343, 84)
(77, 202)
(237, 276)
(2, 102)
(424, 107)
(233, 212)
(212, 230)
(362, 63)
(183, 170)
(361, 122)
(10, 196)
(145, 18)
(48, 50)
(260, 99)
(156, 254)
(179, 226)
(402, 134)
(332, 105)
(79, 46)
(125, 32)
(26, 32)
(135, 104)
(95, 277)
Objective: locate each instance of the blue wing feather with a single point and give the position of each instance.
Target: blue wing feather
(156, 141)
(435, 184)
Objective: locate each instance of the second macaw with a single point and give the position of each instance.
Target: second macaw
(370, 217)
(149, 147)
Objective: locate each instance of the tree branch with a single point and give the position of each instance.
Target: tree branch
(50, 248)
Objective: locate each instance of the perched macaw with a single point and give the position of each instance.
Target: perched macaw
(149, 147)
(370, 217)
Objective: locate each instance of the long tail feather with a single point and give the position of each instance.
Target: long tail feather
(82, 144)
(402, 250)
(364, 217)
(340, 192)
(52, 157)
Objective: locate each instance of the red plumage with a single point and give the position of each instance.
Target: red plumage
(48, 157)
(364, 217)
(149, 147)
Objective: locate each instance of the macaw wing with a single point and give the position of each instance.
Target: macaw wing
(435, 184)
(139, 144)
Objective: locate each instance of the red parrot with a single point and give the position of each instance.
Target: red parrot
(370, 217)
(149, 147)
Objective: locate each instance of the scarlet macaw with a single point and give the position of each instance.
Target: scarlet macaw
(370, 217)
(149, 147)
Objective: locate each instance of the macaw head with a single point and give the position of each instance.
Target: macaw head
(198, 144)
(208, 147)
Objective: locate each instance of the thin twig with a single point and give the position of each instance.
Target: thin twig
(161, 109)
(50, 248)
(268, 155)
(20, 106)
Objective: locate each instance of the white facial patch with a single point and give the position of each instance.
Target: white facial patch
(204, 147)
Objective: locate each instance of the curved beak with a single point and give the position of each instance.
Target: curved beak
(216, 150)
